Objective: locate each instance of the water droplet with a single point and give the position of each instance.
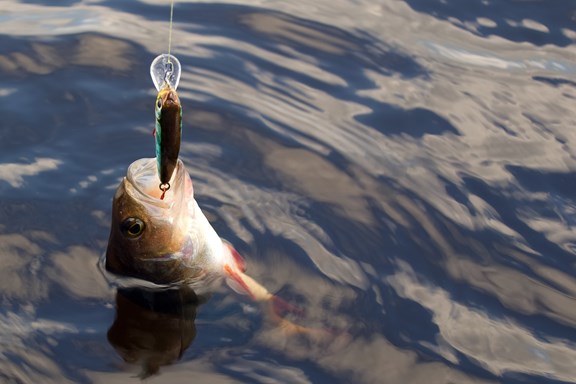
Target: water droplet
(165, 69)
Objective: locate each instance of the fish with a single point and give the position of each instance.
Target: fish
(165, 241)
(170, 242)
(167, 133)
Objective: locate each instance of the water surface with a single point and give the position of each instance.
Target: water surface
(404, 170)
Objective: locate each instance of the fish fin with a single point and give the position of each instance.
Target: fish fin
(236, 282)
(275, 307)
(327, 338)
(235, 285)
(281, 307)
(154, 132)
(238, 259)
(250, 286)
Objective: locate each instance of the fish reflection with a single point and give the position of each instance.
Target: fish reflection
(153, 328)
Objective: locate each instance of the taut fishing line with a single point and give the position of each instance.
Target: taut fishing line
(170, 28)
(165, 69)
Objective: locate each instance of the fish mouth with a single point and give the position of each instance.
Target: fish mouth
(142, 178)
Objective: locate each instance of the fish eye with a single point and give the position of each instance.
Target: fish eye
(132, 227)
(159, 103)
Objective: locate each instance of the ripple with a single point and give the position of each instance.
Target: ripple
(402, 170)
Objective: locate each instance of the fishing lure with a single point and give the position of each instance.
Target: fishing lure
(165, 72)
(168, 133)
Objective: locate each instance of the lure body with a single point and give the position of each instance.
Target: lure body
(168, 132)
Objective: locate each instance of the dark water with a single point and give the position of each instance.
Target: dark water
(404, 170)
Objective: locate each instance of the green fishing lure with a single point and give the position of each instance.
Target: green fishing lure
(168, 133)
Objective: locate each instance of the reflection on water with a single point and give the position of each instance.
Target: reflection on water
(537, 22)
(153, 328)
(499, 345)
(402, 170)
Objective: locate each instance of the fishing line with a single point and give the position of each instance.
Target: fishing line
(165, 68)
(170, 28)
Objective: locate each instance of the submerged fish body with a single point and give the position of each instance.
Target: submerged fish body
(165, 241)
(168, 132)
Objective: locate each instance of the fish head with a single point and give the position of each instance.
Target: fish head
(149, 236)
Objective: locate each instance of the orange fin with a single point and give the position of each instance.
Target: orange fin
(276, 308)
(247, 284)
(236, 278)
(238, 259)
(281, 307)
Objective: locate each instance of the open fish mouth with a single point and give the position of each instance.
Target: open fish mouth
(150, 236)
(142, 175)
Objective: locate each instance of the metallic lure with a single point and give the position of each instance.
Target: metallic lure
(168, 133)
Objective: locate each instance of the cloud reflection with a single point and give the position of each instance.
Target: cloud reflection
(22, 358)
(498, 344)
(328, 146)
(14, 173)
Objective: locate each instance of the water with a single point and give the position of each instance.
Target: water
(404, 170)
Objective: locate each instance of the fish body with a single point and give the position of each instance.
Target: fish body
(170, 242)
(167, 132)
(165, 241)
